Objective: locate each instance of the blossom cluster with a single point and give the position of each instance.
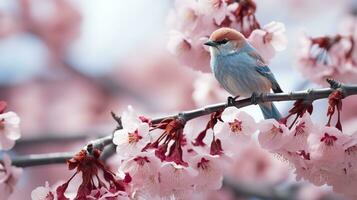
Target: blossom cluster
(178, 160)
(192, 22)
(172, 159)
(321, 154)
(330, 56)
(94, 185)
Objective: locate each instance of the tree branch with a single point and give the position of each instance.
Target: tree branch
(42, 159)
(307, 95)
(51, 138)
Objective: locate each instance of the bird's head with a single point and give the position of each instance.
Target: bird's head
(225, 41)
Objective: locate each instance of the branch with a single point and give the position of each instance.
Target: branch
(307, 95)
(59, 139)
(58, 158)
(42, 159)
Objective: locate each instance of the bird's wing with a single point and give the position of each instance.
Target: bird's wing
(263, 69)
(257, 57)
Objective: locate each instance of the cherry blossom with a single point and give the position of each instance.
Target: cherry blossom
(43, 193)
(269, 39)
(328, 57)
(321, 154)
(273, 135)
(191, 23)
(9, 176)
(350, 150)
(9, 130)
(300, 131)
(210, 172)
(326, 143)
(144, 170)
(88, 164)
(104, 194)
(236, 129)
(175, 162)
(255, 165)
(176, 179)
(134, 135)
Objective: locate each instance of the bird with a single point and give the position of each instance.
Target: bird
(240, 70)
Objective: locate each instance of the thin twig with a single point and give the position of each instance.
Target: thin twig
(307, 95)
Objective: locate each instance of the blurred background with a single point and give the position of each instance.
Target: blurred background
(64, 65)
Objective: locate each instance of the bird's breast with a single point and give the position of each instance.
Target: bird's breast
(238, 76)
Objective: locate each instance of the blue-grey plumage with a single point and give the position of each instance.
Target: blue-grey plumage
(240, 70)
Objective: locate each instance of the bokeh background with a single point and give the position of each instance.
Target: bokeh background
(64, 65)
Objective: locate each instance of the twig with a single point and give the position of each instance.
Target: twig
(307, 95)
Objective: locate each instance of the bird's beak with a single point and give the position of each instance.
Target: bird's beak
(210, 43)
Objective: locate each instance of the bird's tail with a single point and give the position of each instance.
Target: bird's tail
(270, 111)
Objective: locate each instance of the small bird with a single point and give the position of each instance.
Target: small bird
(240, 69)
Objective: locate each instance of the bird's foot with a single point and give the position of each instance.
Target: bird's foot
(231, 100)
(254, 98)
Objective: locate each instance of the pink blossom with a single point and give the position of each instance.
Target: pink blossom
(87, 163)
(134, 135)
(43, 193)
(253, 164)
(236, 129)
(192, 131)
(105, 194)
(350, 150)
(191, 23)
(47, 193)
(273, 135)
(269, 39)
(328, 57)
(210, 172)
(176, 179)
(300, 131)
(276, 35)
(144, 170)
(9, 130)
(304, 167)
(9, 176)
(217, 8)
(178, 44)
(321, 155)
(326, 144)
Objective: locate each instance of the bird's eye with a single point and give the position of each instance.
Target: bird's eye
(224, 41)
